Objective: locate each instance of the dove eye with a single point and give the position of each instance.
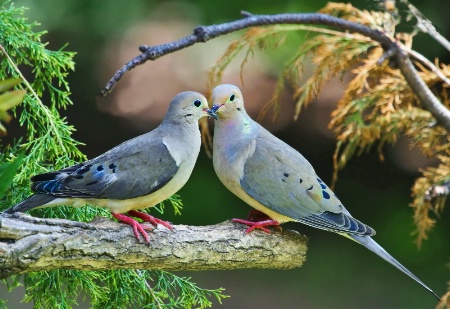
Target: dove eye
(232, 98)
(197, 103)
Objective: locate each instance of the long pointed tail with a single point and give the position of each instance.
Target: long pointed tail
(372, 245)
(33, 201)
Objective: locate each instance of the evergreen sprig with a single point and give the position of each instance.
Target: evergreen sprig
(49, 145)
(48, 140)
(117, 289)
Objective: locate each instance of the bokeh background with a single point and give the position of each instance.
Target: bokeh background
(338, 273)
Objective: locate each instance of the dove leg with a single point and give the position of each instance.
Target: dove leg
(257, 220)
(256, 215)
(148, 218)
(137, 227)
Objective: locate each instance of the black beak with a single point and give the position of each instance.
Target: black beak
(212, 112)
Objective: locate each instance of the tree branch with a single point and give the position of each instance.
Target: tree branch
(34, 244)
(426, 26)
(205, 33)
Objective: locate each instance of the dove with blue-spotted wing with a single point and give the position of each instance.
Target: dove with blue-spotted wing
(136, 174)
(277, 180)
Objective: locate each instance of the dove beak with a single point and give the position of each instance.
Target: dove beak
(212, 112)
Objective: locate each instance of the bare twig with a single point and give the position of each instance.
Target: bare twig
(205, 33)
(35, 244)
(429, 64)
(428, 99)
(426, 26)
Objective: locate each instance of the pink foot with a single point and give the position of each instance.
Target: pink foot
(257, 224)
(148, 218)
(137, 227)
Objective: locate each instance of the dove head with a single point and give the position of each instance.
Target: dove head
(227, 102)
(188, 107)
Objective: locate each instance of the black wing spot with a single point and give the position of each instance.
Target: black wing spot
(78, 177)
(83, 169)
(301, 180)
(322, 185)
(113, 167)
(100, 168)
(310, 188)
(286, 174)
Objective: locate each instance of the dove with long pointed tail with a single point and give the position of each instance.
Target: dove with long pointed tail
(134, 175)
(276, 179)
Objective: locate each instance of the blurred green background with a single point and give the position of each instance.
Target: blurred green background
(338, 273)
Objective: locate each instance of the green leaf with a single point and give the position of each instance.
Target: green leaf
(7, 172)
(9, 83)
(10, 99)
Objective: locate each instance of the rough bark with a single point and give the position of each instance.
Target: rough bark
(34, 244)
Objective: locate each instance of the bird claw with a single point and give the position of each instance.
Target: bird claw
(257, 224)
(137, 227)
(151, 219)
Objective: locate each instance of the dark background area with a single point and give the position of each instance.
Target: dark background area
(338, 273)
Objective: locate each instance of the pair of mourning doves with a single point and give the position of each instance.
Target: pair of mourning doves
(276, 180)
(137, 174)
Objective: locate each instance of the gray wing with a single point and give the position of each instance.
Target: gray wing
(281, 179)
(135, 168)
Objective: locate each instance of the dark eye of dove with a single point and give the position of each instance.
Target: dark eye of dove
(197, 103)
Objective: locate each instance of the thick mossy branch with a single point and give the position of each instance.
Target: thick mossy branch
(34, 244)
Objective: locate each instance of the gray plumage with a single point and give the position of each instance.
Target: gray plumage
(276, 179)
(136, 174)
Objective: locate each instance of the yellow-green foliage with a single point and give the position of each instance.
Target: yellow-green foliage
(9, 99)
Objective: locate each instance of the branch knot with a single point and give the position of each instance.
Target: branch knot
(201, 34)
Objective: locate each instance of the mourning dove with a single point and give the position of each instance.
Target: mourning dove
(277, 180)
(136, 174)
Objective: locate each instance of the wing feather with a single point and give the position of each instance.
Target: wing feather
(133, 169)
(281, 179)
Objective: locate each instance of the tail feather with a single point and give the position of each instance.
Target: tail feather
(33, 201)
(372, 245)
